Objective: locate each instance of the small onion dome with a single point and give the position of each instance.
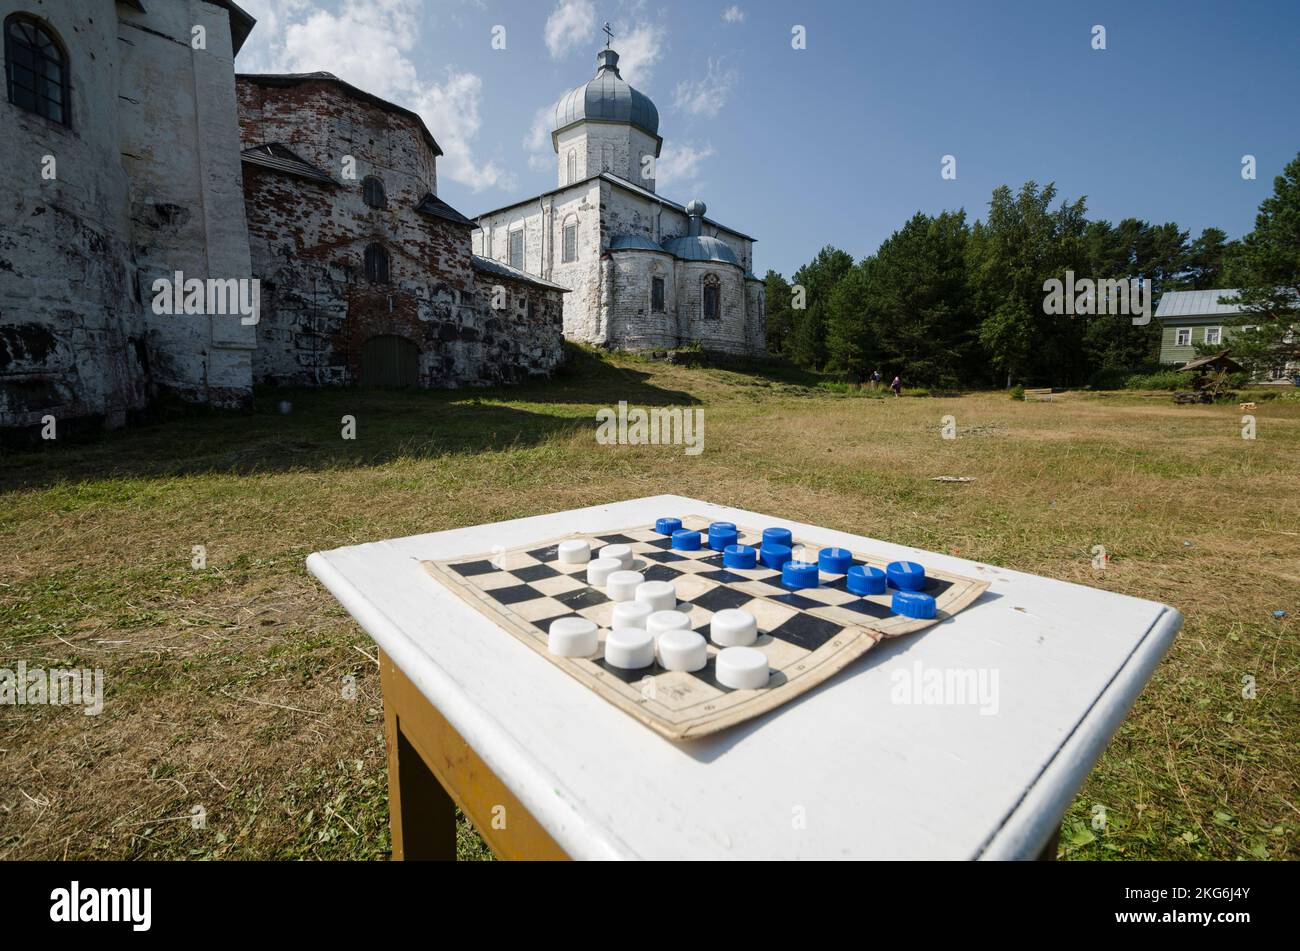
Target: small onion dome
(696, 208)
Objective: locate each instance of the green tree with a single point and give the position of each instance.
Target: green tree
(818, 279)
(906, 308)
(1266, 272)
(780, 317)
(1021, 245)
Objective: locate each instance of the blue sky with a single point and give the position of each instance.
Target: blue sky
(841, 142)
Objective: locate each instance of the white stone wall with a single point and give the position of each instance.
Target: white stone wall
(542, 223)
(148, 183)
(609, 303)
(180, 147)
(612, 147)
(70, 322)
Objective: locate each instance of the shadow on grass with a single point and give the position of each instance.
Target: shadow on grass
(295, 429)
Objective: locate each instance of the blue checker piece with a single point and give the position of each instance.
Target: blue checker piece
(913, 604)
(685, 539)
(778, 536)
(863, 579)
(799, 574)
(905, 575)
(835, 561)
(722, 534)
(774, 556)
(739, 556)
(666, 526)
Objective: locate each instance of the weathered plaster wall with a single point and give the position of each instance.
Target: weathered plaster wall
(147, 183)
(180, 149)
(309, 243)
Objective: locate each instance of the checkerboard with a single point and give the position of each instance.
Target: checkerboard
(807, 635)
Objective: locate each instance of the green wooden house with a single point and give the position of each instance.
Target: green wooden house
(1188, 318)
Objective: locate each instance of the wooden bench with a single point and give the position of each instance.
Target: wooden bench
(1044, 393)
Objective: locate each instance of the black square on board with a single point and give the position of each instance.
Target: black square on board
(661, 556)
(617, 540)
(470, 568)
(797, 601)
(534, 572)
(515, 593)
(806, 631)
(721, 598)
(582, 598)
(869, 608)
(661, 573)
(546, 554)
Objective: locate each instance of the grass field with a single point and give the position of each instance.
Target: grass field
(224, 686)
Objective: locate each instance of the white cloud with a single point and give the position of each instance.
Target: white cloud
(639, 49)
(707, 96)
(537, 143)
(371, 46)
(680, 164)
(733, 14)
(569, 27)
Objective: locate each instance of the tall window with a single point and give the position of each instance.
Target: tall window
(657, 295)
(711, 298)
(1213, 334)
(570, 242)
(36, 70)
(607, 158)
(572, 168)
(1183, 337)
(517, 249)
(372, 192)
(376, 264)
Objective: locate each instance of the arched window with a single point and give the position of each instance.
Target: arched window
(376, 264)
(36, 69)
(372, 192)
(572, 168)
(712, 297)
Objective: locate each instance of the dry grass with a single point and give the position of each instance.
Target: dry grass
(224, 686)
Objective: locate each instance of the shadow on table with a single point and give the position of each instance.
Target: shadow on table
(709, 748)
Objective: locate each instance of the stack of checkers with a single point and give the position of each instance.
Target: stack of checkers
(654, 624)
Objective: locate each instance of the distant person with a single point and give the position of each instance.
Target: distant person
(897, 386)
(875, 380)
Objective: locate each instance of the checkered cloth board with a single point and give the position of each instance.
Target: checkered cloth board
(807, 634)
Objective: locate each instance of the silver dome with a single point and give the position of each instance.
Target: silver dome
(609, 97)
(701, 248)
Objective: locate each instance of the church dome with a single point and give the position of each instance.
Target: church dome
(701, 248)
(608, 97)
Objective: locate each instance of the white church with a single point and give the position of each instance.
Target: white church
(644, 273)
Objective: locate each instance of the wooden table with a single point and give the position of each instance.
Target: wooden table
(544, 768)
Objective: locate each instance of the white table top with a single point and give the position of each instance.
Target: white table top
(840, 772)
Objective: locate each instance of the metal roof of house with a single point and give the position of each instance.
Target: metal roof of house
(635, 242)
(1196, 304)
(702, 248)
(607, 97)
(294, 79)
(501, 269)
(278, 158)
(431, 204)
